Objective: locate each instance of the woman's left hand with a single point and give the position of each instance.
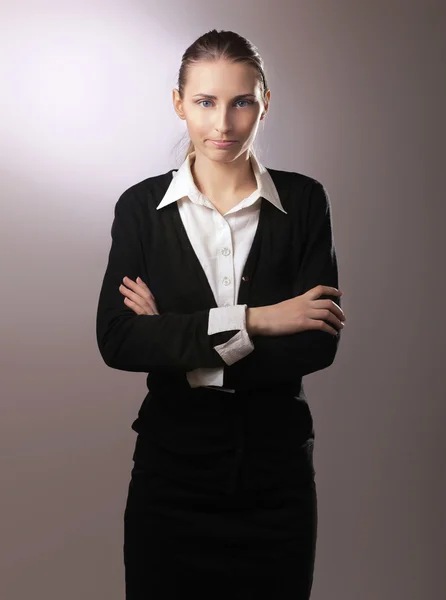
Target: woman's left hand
(138, 297)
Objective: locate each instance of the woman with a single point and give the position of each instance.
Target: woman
(221, 285)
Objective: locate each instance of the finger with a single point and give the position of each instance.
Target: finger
(321, 290)
(322, 325)
(137, 309)
(148, 307)
(335, 308)
(143, 290)
(140, 297)
(135, 298)
(329, 290)
(144, 285)
(138, 285)
(319, 314)
(146, 310)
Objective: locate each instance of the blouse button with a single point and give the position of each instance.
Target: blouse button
(225, 251)
(226, 280)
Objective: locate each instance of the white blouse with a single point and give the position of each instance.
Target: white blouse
(222, 244)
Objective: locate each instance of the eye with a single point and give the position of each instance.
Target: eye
(247, 101)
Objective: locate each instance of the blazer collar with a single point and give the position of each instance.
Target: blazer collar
(183, 184)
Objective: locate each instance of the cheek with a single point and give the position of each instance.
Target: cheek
(249, 118)
(199, 124)
(249, 125)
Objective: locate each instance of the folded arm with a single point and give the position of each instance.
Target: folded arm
(132, 342)
(283, 358)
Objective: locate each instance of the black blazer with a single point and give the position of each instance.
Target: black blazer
(291, 253)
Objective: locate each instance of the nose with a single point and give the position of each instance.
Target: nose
(223, 121)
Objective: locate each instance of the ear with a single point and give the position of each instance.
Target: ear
(177, 103)
(266, 104)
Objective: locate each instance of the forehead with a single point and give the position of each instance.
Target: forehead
(222, 78)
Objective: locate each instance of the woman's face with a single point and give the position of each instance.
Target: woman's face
(224, 117)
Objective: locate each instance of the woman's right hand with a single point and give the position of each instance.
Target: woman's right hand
(302, 313)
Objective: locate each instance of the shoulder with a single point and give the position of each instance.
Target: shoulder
(145, 193)
(294, 179)
(296, 188)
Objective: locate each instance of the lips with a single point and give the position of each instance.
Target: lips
(222, 144)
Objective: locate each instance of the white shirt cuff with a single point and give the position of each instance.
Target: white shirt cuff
(226, 318)
(239, 346)
(204, 377)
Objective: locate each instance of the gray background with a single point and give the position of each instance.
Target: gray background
(358, 102)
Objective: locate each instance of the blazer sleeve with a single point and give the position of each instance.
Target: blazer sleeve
(279, 359)
(131, 342)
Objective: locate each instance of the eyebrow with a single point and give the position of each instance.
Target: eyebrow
(215, 97)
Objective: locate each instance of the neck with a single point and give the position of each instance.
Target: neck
(218, 179)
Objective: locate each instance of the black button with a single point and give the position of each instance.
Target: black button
(245, 278)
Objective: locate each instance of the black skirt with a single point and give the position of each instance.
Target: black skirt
(224, 525)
